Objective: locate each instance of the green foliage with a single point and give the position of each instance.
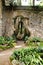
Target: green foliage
(26, 38)
(2, 40)
(9, 40)
(6, 47)
(35, 41)
(27, 55)
(6, 42)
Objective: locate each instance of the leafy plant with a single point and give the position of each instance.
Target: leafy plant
(29, 56)
(6, 42)
(9, 40)
(26, 38)
(2, 40)
(34, 41)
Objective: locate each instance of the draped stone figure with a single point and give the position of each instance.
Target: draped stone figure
(21, 27)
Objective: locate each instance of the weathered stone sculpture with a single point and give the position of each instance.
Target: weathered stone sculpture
(21, 27)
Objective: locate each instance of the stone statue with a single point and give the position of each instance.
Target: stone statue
(21, 27)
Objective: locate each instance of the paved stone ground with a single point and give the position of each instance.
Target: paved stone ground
(4, 55)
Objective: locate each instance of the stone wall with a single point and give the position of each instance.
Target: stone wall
(0, 18)
(35, 24)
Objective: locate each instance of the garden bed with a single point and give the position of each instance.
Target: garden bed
(27, 56)
(32, 54)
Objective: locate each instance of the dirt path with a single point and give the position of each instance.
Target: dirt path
(4, 55)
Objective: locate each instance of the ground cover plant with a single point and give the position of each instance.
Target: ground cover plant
(26, 56)
(34, 41)
(6, 42)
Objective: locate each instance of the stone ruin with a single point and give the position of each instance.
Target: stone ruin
(32, 22)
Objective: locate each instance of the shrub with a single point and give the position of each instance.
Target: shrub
(9, 40)
(28, 56)
(34, 41)
(6, 42)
